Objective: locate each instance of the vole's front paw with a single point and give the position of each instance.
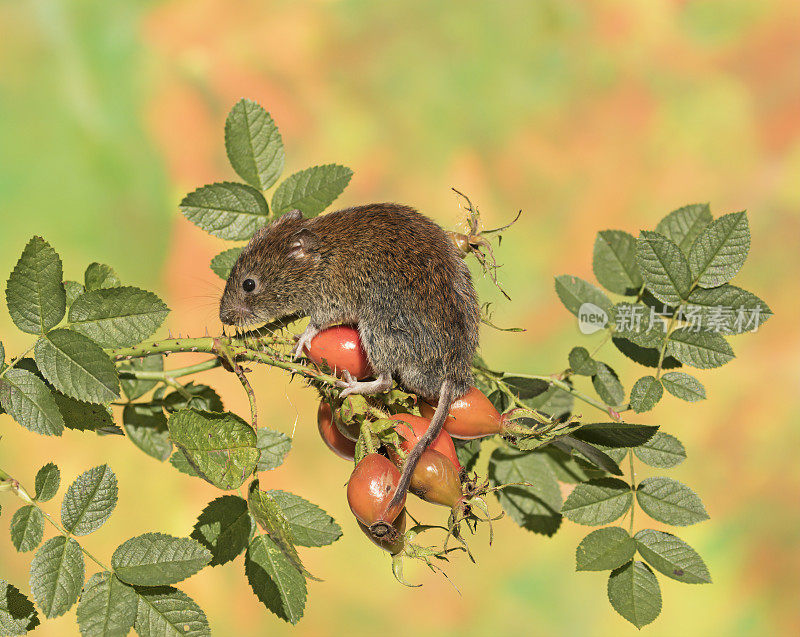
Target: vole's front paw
(304, 340)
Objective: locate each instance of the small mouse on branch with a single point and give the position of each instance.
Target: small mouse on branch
(388, 269)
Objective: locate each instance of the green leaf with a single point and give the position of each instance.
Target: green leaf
(223, 263)
(574, 292)
(592, 454)
(720, 251)
(615, 434)
(647, 356)
(73, 290)
(35, 292)
(268, 516)
(77, 367)
(604, 550)
(83, 416)
(468, 452)
(179, 461)
(580, 362)
(57, 572)
(703, 350)
(684, 225)
(555, 402)
(107, 607)
(203, 398)
(224, 528)
(671, 556)
(634, 593)
(117, 317)
(645, 394)
(598, 501)
(157, 559)
(47, 481)
(27, 528)
(99, 276)
(566, 467)
(165, 611)
(146, 426)
(726, 310)
(227, 210)
(275, 580)
(639, 324)
(89, 501)
(683, 386)
(2, 356)
(614, 262)
(670, 501)
(662, 450)
(665, 269)
(17, 613)
(311, 190)
(133, 387)
(534, 507)
(254, 144)
(526, 388)
(273, 447)
(607, 385)
(220, 446)
(26, 398)
(308, 524)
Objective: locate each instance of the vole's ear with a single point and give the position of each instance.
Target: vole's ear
(292, 215)
(303, 244)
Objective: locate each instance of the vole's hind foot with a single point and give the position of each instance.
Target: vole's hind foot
(304, 340)
(352, 386)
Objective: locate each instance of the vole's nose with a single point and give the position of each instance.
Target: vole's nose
(228, 316)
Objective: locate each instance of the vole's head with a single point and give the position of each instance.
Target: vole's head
(273, 275)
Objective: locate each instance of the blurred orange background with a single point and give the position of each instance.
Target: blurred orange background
(587, 116)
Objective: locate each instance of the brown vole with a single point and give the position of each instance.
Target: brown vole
(388, 269)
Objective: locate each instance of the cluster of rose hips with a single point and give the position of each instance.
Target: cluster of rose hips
(438, 478)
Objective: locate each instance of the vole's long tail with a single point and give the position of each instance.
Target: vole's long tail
(447, 395)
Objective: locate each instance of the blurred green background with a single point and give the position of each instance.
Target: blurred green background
(591, 115)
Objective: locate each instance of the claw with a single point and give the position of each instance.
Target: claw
(304, 340)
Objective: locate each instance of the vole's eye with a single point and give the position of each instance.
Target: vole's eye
(248, 285)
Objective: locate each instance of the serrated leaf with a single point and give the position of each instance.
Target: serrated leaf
(604, 550)
(311, 190)
(133, 387)
(672, 556)
(17, 613)
(107, 607)
(83, 416)
(580, 362)
(35, 291)
(202, 398)
(598, 501)
(645, 394)
(726, 309)
(684, 225)
(47, 481)
(73, 290)
(254, 144)
(662, 450)
(268, 516)
(223, 263)
(227, 210)
(89, 500)
(634, 593)
(535, 508)
(639, 324)
(614, 262)
(607, 385)
(220, 446)
(273, 447)
(526, 388)
(26, 398)
(647, 356)
(555, 402)
(117, 317)
(57, 572)
(146, 426)
(157, 559)
(568, 468)
(683, 386)
(720, 251)
(179, 461)
(27, 528)
(77, 367)
(664, 267)
(99, 276)
(165, 611)
(224, 528)
(308, 524)
(274, 580)
(468, 452)
(670, 501)
(704, 350)
(574, 292)
(592, 454)
(615, 434)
